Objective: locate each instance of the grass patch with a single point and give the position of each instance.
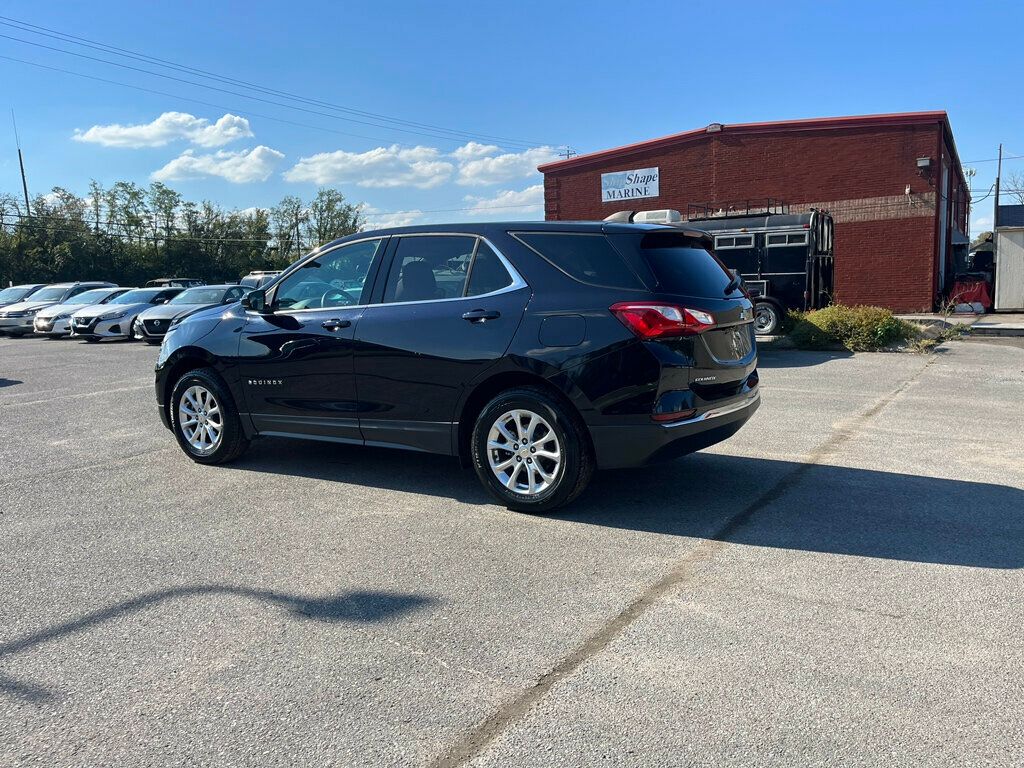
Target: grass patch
(858, 329)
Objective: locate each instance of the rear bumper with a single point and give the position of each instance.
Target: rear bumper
(635, 445)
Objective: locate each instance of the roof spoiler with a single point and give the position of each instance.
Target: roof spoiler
(665, 216)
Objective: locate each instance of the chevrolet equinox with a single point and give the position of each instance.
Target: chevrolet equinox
(535, 352)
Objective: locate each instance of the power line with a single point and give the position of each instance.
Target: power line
(127, 53)
(521, 145)
(236, 110)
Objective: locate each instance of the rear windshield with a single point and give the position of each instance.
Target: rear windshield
(681, 266)
(587, 258)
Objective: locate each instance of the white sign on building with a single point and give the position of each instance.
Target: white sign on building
(628, 185)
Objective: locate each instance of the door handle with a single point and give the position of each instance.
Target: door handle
(334, 324)
(481, 315)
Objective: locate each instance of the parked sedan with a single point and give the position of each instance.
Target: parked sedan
(17, 293)
(152, 324)
(17, 319)
(55, 321)
(113, 320)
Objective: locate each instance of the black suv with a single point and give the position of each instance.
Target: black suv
(535, 351)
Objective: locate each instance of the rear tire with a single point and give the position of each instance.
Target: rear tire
(766, 318)
(204, 419)
(530, 451)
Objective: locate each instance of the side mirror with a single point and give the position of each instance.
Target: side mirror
(255, 300)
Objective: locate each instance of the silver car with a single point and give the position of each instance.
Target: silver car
(17, 319)
(16, 293)
(113, 320)
(152, 324)
(55, 321)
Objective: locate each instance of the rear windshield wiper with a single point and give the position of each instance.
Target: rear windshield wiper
(733, 284)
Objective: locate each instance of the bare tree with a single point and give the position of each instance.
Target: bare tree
(1014, 186)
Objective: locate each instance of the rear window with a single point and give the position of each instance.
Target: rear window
(587, 258)
(681, 266)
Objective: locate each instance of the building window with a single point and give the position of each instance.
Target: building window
(734, 241)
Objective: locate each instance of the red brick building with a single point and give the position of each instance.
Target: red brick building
(893, 184)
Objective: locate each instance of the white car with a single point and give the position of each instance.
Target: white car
(17, 319)
(113, 320)
(55, 321)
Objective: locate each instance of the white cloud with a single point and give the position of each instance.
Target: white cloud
(421, 167)
(237, 167)
(170, 126)
(375, 219)
(508, 203)
(510, 166)
(474, 150)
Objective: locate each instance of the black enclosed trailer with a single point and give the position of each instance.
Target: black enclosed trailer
(785, 259)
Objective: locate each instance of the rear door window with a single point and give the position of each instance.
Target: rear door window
(588, 258)
(429, 267)
(680, 264)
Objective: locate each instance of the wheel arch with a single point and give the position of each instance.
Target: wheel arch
(483, 392)
(189, 359)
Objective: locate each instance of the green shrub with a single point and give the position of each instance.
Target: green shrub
(858, 329)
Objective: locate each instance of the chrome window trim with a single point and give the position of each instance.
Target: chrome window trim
(518, 282)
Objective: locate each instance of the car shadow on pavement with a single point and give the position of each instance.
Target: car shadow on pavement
(363, 607)
(783, 504)
(797, 358)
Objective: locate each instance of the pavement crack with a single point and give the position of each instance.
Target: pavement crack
(475, 741)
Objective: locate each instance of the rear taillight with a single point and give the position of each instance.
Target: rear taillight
(649, 320)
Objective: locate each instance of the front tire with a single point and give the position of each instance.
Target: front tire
(204, 419)
(530, 451)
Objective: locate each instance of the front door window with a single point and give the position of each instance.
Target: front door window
(336, 279)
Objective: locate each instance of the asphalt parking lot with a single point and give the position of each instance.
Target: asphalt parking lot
(840, 583)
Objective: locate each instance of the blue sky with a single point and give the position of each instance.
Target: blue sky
(540, 75)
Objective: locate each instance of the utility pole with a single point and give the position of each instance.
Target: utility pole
(999, 173)
(21, 163)
(568, 152)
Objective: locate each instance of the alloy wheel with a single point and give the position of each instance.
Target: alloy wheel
(200, 420)
(524, 452)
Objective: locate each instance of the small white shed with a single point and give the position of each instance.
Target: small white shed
(1009, 242)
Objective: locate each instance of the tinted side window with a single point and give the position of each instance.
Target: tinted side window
(587, 258)
(487, 274)
(335, 279)
(429, 267)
